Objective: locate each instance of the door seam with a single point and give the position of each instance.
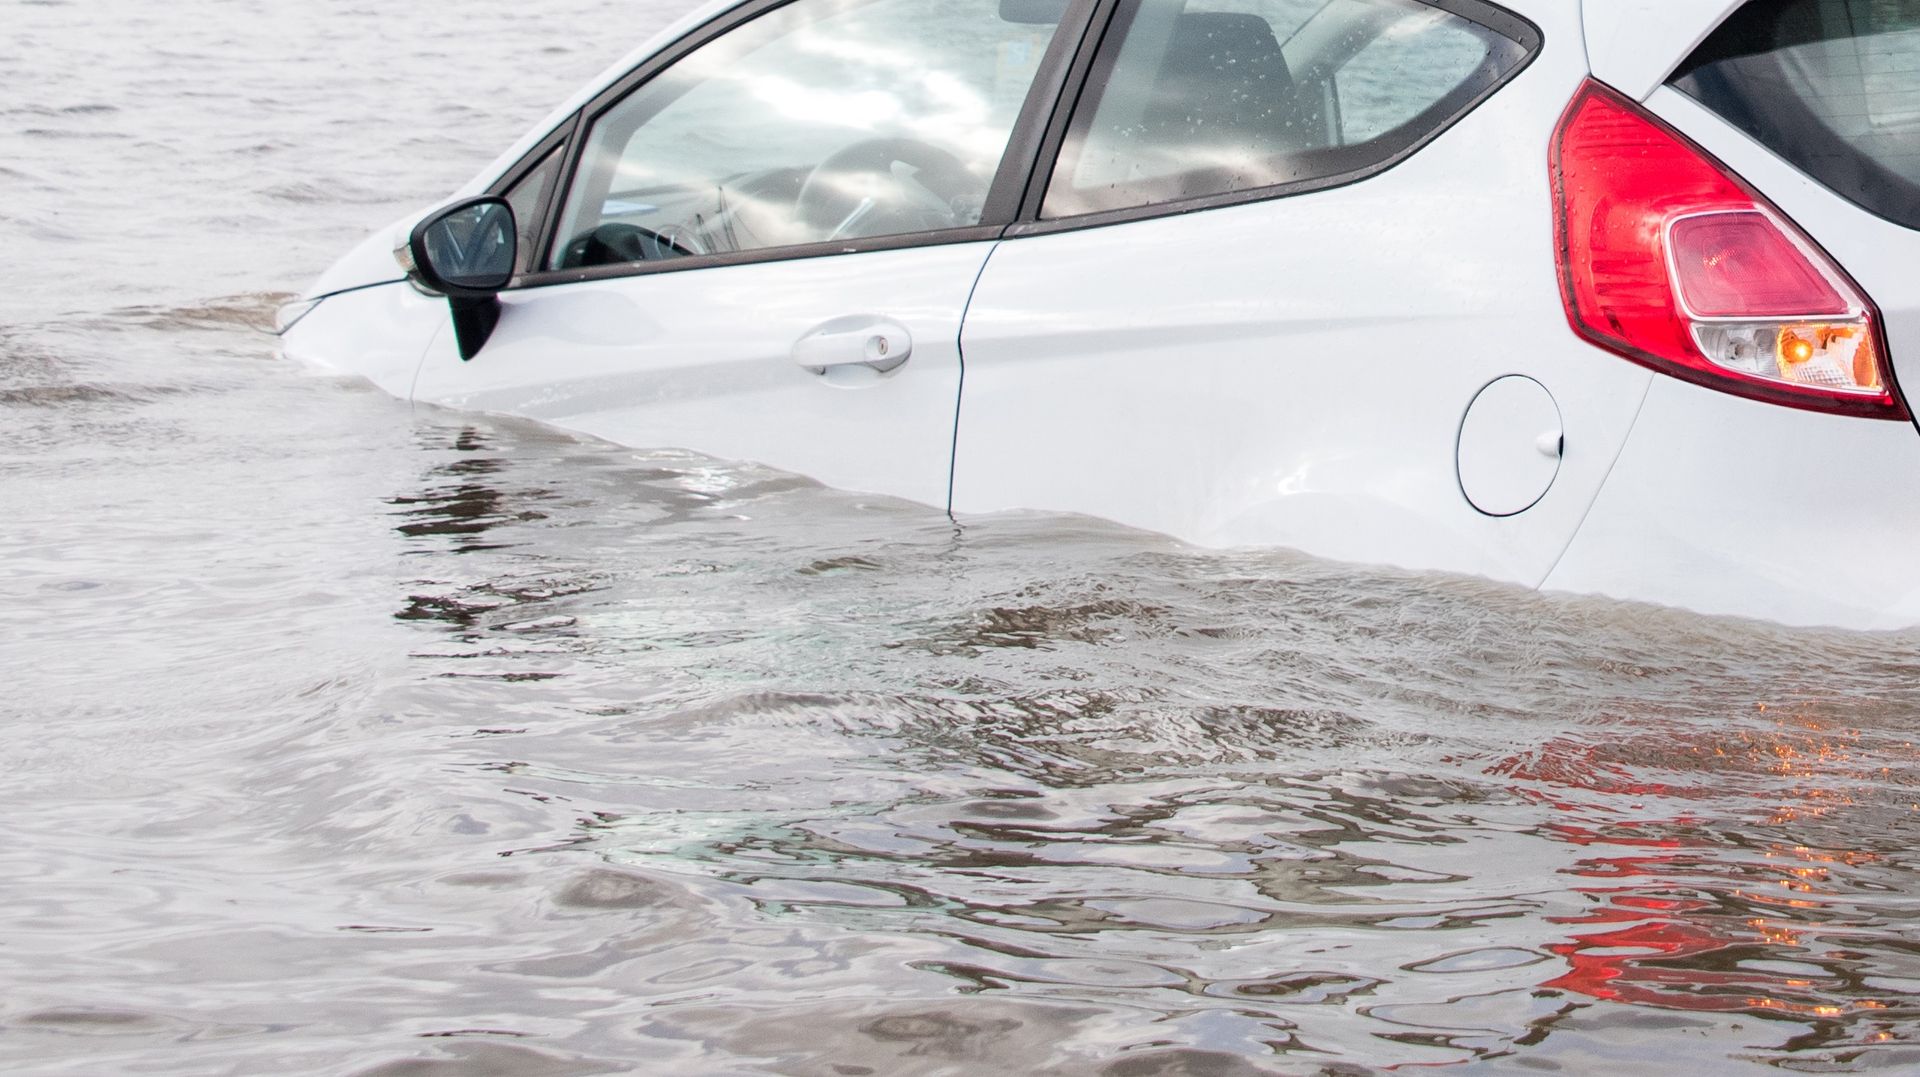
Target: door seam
(960, 398)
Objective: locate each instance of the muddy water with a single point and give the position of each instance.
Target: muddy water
(342, 739)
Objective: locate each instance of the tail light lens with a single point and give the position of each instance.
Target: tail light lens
(1669, 259)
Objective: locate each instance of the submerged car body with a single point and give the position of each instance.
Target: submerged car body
(1609, 298)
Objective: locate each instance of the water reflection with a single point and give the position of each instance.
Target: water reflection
(1128, 787)
(774, 772)
(1687, 910)
(344, 739)
(459, 504)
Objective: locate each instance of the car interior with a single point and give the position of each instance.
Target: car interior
(1245, 91)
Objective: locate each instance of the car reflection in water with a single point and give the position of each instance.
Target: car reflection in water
(1686, 919)
(459, 503)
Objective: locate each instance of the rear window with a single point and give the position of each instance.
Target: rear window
(1831, 85)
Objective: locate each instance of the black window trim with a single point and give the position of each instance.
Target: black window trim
(1013, 205)
(1004, 197)
(1516, 28)
(533, 160)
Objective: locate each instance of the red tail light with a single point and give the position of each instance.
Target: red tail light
(1670, 260)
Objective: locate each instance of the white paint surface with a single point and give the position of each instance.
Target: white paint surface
(1634, 45)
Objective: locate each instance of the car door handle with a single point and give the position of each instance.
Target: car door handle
(855, 349)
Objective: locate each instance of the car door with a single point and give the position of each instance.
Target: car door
(1282, 248)
(760, 245)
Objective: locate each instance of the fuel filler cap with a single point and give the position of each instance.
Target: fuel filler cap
(1511, 445)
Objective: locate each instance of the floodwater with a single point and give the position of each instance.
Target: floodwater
(338, 738)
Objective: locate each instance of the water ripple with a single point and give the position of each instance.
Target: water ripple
(343, 738)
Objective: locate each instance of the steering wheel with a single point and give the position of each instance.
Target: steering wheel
(617, 244)
(886, 186)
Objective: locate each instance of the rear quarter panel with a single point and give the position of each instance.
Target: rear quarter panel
(1294, 372)
(1733, 506)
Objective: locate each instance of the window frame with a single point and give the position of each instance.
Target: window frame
(1004, 197)
(1018, 190)
(1101, 61)
(553, 146)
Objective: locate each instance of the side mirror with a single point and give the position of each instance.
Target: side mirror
(467, 253)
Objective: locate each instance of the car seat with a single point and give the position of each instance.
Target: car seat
(1223, 86)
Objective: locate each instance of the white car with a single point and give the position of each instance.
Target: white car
(1606, 297)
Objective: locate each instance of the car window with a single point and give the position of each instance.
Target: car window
(1205, 97)
(1399, 73)
(823, 121)
(527, 196)
(1831, 85)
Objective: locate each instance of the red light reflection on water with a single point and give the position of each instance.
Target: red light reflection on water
(1683, 955)
(1682, 921)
